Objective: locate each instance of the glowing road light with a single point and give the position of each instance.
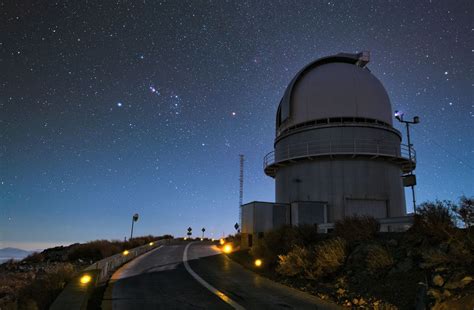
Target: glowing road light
(85, 279)
(222, 241)
(258, 262)
(125, 252)
(227, 248)
(151, 243)
(202, 239)
(185, 238)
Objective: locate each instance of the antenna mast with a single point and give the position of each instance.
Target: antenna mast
(241, 187)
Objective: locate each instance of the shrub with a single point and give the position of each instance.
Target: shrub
(433, 257)
(296, 262)
(330, 255)
(465, 211)
(44, 289)
(435, 221)
(313, 263)
(306, 234)
(378, 259)
(34, 258)
(94, 250)
(357, 228)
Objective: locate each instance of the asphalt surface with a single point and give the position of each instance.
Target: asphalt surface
(208, 280)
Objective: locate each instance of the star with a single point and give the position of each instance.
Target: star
(119, 104)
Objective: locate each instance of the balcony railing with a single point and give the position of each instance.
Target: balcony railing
(356, 147)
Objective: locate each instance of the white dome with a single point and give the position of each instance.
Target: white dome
(332, 87)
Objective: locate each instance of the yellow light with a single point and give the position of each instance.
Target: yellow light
(222, 241)
(227, 248)
(202, 239)
(185, 238)
(258, 262)
(212, 239)
(125, 252)
(151, 243)
(85, 279)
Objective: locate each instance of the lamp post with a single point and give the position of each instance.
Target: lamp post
(416, 120)
(134, 219)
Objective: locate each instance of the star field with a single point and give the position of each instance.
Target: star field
(114, 107)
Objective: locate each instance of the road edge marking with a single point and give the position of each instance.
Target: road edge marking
(203, 282)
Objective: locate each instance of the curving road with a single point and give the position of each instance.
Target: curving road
(197, 276)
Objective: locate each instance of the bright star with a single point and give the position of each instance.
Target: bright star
(233, 113)
(119, 104)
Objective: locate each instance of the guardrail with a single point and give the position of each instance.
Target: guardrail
(76, 294)
(344, 147)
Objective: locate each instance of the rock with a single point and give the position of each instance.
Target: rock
(466, 302)
(438, 280)
(355, 301)
(446, 293)
(436, 294)
(362, 301)
(341, 291)
(458, 281)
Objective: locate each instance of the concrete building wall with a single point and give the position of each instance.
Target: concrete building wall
(337, 181)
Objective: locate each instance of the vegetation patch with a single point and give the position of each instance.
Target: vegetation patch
(428, 266)
(36, 281)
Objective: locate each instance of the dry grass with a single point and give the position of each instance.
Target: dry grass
(378, 259)
(36, 281)
(324, 259)
(295, 263)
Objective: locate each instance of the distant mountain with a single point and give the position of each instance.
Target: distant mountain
(13, 253)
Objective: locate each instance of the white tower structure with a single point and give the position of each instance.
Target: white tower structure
(336, 151)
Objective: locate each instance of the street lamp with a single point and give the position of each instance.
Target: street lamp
(411, 181)
(134, 219)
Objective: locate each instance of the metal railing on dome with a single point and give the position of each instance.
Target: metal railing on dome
(342, 147)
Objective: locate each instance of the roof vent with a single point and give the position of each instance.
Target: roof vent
(363, 59)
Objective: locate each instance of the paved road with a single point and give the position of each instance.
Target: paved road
(206, 280)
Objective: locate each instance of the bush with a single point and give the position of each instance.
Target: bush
(465, 211)
(324, 259)
(99, 249)
(296, 262)
(330, 255)
(94, 250)
(306, 234)
(378, 259)
(34, 258)
(435, 221)
(45, 288)
(357, 228)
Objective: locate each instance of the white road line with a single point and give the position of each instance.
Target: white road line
(211, 288)
(127, 270)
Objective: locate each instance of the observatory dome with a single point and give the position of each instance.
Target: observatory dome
(338, 86)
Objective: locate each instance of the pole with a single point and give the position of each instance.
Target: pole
(131, 232)
(411, 170)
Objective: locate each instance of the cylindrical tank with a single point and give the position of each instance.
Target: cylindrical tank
(335, 142)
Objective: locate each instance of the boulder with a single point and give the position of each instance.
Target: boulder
(458, 282)
(438, 280)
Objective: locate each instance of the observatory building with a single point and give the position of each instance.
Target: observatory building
(336, 152)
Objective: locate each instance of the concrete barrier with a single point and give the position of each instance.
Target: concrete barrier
(76, 294)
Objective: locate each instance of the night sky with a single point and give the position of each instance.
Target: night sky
(114, 107)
